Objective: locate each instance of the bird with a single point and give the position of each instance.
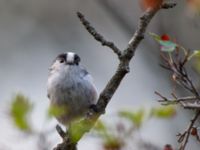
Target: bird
(70, 88)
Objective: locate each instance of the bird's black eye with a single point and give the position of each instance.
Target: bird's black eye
(76, 59)
(61, 58)
(62, 61)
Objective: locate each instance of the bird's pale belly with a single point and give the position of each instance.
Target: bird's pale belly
(71, 92)
(70, 103)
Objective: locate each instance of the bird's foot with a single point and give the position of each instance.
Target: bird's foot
(94, 108)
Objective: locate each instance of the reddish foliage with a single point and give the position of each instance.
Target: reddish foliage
(153, 4)
(168, 147)
(194, 131)
(193, 2)
(194, 5)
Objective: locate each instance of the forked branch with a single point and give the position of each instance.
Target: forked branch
(125, 57)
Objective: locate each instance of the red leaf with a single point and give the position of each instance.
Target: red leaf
(153, 4)
(194, 131)
(168, 147)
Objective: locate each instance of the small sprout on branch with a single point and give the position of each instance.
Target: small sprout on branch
(163, 112)
(166, 44)
(194, 131)
(195, 53)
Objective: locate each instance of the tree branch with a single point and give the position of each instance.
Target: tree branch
(183, 138)
(85, 125)
(175, 62)
(97, 35)
(168, 5)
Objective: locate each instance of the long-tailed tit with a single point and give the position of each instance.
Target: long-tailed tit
(71, 87)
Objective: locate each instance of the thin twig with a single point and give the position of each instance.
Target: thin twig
(176, 64)
(166, 101)
(168, 5)
(183, 139)
(97, 35)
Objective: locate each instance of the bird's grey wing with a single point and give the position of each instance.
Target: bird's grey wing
(88, 78)
(85, 75)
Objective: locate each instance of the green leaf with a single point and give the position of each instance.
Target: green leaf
(56, 111)
(76, 130)
(155, 36)
(195, 53)
(19, 111)
(163, 112)
(135, 117)
(196, 60)
(100, 126)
